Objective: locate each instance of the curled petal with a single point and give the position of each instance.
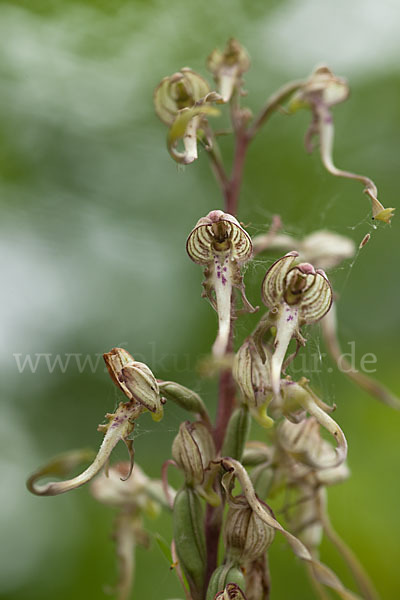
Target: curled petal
(316, 298)
(212, 233)
(180, 90)
(273, 285)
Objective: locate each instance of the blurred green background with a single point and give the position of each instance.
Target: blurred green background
(94, 218)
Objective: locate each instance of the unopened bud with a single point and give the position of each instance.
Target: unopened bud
(193, 449)
(246, 536)
(254, 380)
(135, 379)
(184, 397)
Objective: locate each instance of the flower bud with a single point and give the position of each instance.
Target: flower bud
(222, 246)
(237, 432)
(193, 449)
(254, 380)
(135, 379)
(228, 67)
(184, 397)
(231, 592)
(300, 295)
(246, 536)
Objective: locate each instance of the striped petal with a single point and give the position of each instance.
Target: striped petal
(215, 233)
(273, 285)
(316, 299)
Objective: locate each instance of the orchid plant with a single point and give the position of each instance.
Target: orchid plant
(223, 523)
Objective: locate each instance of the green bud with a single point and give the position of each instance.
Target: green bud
(237, 433)
(193, 449)
(256, 453)
(246, 536)
(221, 577)
(188, 522)
(252, 375)
(183, 397)
(262, 478)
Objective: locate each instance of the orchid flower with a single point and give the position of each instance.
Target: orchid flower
(222, 246)
(228, 67)
(322, 90)
(140, 386)
(182, 101)
(296, 295)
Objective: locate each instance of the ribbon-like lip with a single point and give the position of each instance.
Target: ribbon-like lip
(199, 244)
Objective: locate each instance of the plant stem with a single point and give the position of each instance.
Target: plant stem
(273, 104)
(235, 181)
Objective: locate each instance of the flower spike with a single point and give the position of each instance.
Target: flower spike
(222, 246)
(298, 295)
